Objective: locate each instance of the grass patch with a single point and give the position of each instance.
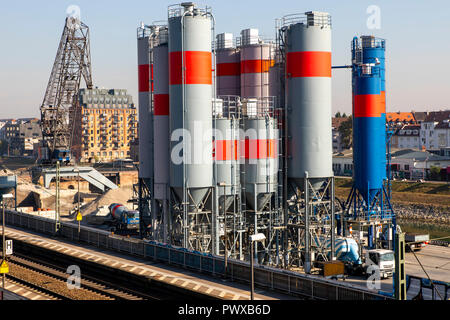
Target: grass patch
(435, 194)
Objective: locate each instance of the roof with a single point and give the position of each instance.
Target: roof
(417, 155)
(420, 115)
(400, 117)
(437, 116)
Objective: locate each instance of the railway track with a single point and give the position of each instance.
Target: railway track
(51, 295)
(105, 290)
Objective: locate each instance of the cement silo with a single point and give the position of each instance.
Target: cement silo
(146, 161)
(310, 185)
(161, 129)
(161, 113)
(308, 78)
(190, 104)
(260, 151)
(230, 221)
(227, 154)
(369, 133)
(256, 59)
(228, 72)
(370, 196)
(145, 110)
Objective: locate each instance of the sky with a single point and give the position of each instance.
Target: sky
(416, 33)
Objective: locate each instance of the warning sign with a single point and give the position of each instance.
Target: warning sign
(79, 216)
(4, 268)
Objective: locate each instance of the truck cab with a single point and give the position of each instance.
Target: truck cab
(383, 259)
(131, 219)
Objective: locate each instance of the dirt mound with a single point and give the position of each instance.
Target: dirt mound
(120, 195)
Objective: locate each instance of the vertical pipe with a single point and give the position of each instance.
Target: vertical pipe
(307, 266)
(252, 291)
(332, 220)
(225, 231)
(255, 218)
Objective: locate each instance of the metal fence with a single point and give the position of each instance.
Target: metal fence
(284, 281)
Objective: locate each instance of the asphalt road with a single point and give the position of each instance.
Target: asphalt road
(435, 260)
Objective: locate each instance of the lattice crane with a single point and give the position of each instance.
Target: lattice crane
(72, 62)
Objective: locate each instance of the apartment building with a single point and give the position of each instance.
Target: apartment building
(105, 124)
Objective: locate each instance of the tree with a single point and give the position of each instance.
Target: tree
(338, 114)
(3, 147)
(346, 131)
(344, 115)
(435, 173)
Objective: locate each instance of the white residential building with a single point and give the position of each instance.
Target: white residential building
(408, 137)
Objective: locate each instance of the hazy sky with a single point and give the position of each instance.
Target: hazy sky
(416, 31)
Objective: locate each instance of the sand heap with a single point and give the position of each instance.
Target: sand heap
(120, 195)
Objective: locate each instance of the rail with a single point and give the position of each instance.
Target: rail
(285, 281)
(322, 19)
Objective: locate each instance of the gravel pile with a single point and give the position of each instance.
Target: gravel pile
(422, 213)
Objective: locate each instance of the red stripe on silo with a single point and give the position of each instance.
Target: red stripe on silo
(255, 66)
(197, 64)
(260, 148)
(223, 150)
(161, 104)
(368, 105)
(228, 69)
(308, 64)
(383, 100)
(144, 78)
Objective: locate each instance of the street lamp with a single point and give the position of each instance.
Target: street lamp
(223, 184)
(254, 238)
(4, 197)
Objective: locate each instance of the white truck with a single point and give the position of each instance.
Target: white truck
(381, 258)
(416, 241)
